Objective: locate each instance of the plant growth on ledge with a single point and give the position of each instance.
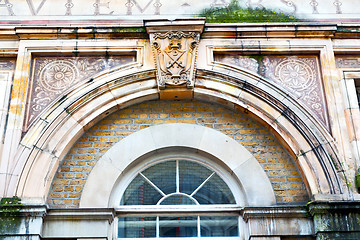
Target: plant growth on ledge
(233, 13)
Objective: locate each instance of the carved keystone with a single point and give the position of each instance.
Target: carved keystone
(175, 45)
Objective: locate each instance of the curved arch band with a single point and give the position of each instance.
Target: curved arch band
(56, 130)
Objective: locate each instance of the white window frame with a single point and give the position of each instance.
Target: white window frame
(179, 210)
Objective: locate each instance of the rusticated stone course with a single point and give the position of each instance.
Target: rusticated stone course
(75, 168)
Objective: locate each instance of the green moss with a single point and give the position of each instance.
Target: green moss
(357, 181)
(10, 219)
(129, 29)
(235, 14)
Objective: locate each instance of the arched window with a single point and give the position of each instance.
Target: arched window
(178, 196)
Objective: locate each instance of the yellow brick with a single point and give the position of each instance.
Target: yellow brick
(69, 189)
(280, 192)
(144, 126)
(126, 110)
(69, 175)
(58, 189)
(91, 163)
(294, 179)
(88, 156)
(247, 131)
(60, 182)
(148, 121)
(170, 121)
(287, 199)
(163, 115)
(272, 166)
(186, 120)
(296, 185)
(103, 127)
(65, 169)
(78, 188)
(229, 115)
(74, 195)
(123, 121)
(277, 179)
(297, 192)
(56, 195)
(68, 201)
(83, 145)
(250, 143)
(158, 121)
(123, 133)
(82, 150)
(80, 175)
(123, 116)
(175, 104)
(175, 115)
(77, 182)
(103, 133)
(303, 198)
(153, 115)
(186, 110)
(186, 115)
(143, 115)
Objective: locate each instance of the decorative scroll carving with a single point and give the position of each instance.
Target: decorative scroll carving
(348, 61)
(53, 76)
(300, 76)
(175, 57)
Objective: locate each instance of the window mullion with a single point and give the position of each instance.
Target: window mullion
(198, 226)
(157, 227)
(177, 177)
(202, 184)
(153, 185)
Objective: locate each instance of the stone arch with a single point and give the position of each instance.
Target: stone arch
(256, 186)
(52, 135)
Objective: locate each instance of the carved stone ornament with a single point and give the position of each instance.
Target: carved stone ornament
(175, 57)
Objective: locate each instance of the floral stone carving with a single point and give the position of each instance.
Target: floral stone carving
(301, 77)
(53, 76)
(175, 57)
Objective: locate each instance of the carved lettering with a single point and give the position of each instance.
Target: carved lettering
(69, 4)
(97, 6)
(9, 6)
(131, 3)
(32, 8)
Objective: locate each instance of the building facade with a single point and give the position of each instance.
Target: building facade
(119, 121)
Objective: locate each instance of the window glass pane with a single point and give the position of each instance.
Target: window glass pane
(191, 176)
(140, 192)
(137, 227)
(178, 226)
(178, 200)
(163, 175)
(218, 226)
(215, 191)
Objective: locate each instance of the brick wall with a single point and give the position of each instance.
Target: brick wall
(72, 173)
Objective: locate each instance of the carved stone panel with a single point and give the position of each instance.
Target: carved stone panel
(52, 76)
(348, 61)
(7, 64)
(175, 57)
(299, 75)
